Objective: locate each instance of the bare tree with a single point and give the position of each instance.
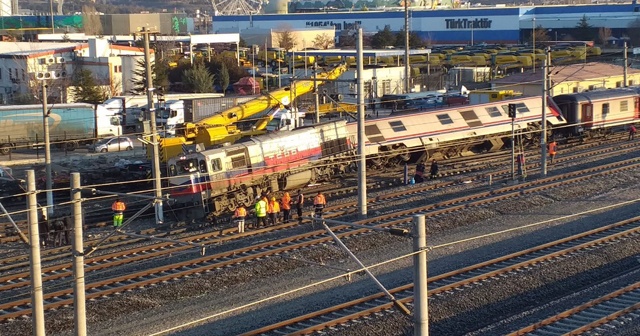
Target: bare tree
(286, 39)
(604, 34)
(323, 41)
(91, 20)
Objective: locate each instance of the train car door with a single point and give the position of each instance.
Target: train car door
(636, 104)
(586, 116)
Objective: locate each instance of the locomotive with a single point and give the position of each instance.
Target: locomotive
(219, 179)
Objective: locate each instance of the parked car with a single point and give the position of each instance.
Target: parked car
(113, 144)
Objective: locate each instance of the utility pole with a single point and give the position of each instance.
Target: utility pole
(362, 161)
(47, 151)
(154, 134)
(35, 271)
(545, 96)
(315, 90)
(407, 75)
(626, 65)
(80, 314)
(420, 280)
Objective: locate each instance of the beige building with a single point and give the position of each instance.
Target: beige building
(25, 65)
(569, 79)
(302, 38)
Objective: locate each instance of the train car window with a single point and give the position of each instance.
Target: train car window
(216, 165)
(203, 166)
(471, 118)
(494, 112)
(373, 133)
(522, 108)
(445, 119)
(397, 126)
(605, 108)
(624, 106)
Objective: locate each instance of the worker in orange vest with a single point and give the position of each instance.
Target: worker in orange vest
(319, 202)
(273, 209)
(286, 207)
(118, 208)
(553, 147)
(239, 216)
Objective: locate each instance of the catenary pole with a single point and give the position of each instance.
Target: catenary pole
(420, 292)
(79, 303)
(407, 77)
(545, 93)
(533, 37)
(47, 151)
(315, 90)
(626, 66)
(154, 134)
(362, 167)
(35, 271)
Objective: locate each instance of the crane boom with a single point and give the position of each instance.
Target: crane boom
(219, 128)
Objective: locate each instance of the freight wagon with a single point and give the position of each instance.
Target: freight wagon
(70, 125)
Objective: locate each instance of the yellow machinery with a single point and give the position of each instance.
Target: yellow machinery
(488, 96)
(220, 129)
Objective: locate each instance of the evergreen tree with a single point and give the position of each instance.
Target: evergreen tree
(383, 38)
(198, 79)
(159, 76)
(85, 89)
(223, 77)
(584, 31)
(414, 40)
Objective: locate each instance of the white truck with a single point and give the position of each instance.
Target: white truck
(132, 108)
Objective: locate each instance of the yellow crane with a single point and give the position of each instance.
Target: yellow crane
(220, 128)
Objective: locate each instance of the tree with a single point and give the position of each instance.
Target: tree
(414, 40)
(91, 21)
(159, 76)
(323, 41)
(223, 77)
(540, 35)
(383, 38)
(286, 39)
(198, 79)
(584, 31)
(86, 89)
(604, 34)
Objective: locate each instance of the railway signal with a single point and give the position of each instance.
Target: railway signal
(512, 111)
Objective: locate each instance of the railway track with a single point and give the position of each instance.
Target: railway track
(492, 270)
(609, 309)
(256, 251)
(457, 166)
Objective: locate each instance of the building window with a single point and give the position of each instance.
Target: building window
(618, 84)
(115, 68)
(42, 61)
(575, 89)
(386, 86)
(397, 126)
(24, 75)
(445, 119)
(0, 73)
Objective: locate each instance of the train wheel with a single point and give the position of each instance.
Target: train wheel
(5, 149)
(71, 145)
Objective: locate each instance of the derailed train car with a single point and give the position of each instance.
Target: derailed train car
(217, 180)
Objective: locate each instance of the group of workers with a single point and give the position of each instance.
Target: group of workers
(54, 232)
(267, 209)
